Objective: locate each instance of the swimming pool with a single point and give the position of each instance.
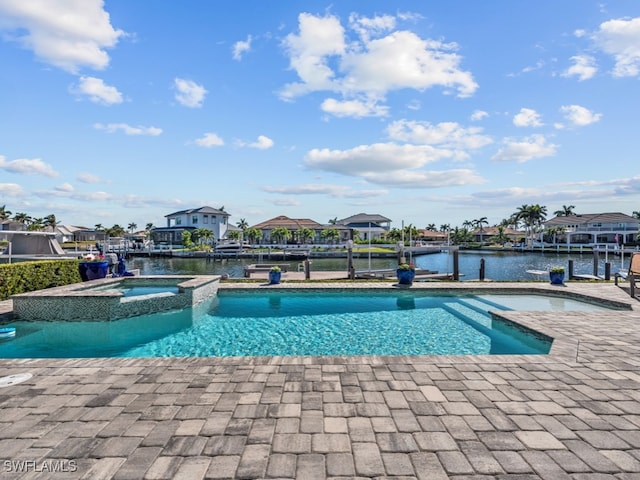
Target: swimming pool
(301, 322)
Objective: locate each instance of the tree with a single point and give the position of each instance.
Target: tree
(501, 237)
(149, 226)
(333, 221)
(253, 234)
(634, 214)
(202, 236)
(131, 227)
(22, 218)
(186, 239)
(532, 217)
(51, 221)
(36, 224)
(445, 227)
(565, 211)
(281, 234)
(234, 235)
(394, 235)
(99, 227)
(431, 226)
(242, 224)
(4, 213)
(115, 231)
(330, 234)
(479, 223)
(304, 235)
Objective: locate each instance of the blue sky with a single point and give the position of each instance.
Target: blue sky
(425, 112)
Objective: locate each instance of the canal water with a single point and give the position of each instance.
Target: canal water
(499, 266)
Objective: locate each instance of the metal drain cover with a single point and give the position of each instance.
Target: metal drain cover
(14, 379)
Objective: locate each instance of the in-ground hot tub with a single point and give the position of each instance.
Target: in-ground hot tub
(114, 298)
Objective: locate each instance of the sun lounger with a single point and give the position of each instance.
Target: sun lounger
(632, 275)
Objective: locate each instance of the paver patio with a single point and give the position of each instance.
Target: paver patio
(572, 414)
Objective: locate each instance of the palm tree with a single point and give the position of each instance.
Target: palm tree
(636, 214)
(501, 237)
(131, 227)
(36, 224)
(242, 224)
(330, 234)
(99, 227)
(479, 223)
(253, 234)
(4, 213)
(445, 227)
(304, 235)
(333, 221)
(532, 216)
(565, 211)
(431, 226)
(281, 234)
(149, 226)
(21, 217)
(51, 221)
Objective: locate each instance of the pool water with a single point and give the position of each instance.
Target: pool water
(241, 323)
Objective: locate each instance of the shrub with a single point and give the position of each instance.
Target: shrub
(24, 277)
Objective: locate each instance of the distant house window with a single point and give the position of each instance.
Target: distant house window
(205, 219)
(596, 225)
(194, 219)
(178, 221)
(224, 220)
(213, 218)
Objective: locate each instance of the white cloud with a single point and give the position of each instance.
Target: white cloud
(579, 116)
(308, 189)
(210, 140)
(97, 91)
(478, 115)
(326, 60)
(426, 179)
(376, 158)
(65, 188)
(263, 143)
(447, 134)
(319, 38)
(11, 190)
(128, 129)
(336, 191)
(621, 38)
(584, 67)
(527, 118)
(189, 93)
(26, 166)
(529, 148)
(88, 178)
(366, 27)
(68, 34)
(240, 48)
(353, 108)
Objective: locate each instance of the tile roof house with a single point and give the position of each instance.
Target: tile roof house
(291, 224)
(595, 228)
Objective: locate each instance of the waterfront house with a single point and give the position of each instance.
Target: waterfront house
(592, 229)
(189, 220)
(291, 224)
(487, 233)
(368, 226)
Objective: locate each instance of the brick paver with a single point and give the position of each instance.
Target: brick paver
(572, 414)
